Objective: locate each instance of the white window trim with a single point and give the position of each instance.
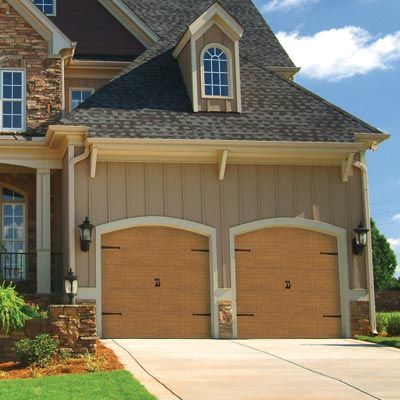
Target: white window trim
(25, 217)
(54, 8)
(23, 107)
(230, 72)
(82, 89)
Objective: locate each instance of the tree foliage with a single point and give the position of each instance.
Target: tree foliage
(384, 258)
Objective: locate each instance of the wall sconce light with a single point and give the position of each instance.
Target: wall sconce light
(86, 234)
(360, 241)
(71, 286)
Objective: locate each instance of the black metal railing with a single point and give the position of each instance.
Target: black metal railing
(17, 267)
(20, 268)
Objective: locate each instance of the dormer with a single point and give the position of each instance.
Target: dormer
(208, 56)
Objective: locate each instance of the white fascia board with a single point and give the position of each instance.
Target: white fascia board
(213, 14)
(56, 39)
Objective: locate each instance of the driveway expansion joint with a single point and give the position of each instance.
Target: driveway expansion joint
(309, 369)
(147, 371)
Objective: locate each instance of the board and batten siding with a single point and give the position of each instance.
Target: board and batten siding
(193, 192)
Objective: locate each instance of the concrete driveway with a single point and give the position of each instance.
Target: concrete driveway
(263, 369)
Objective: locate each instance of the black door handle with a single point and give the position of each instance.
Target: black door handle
(288, 285)
(157, 282)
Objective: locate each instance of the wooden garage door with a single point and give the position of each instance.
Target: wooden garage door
(287, 284)
(155, 284)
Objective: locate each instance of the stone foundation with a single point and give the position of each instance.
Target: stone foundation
(225, 319)
(360, 323)
(74, 327)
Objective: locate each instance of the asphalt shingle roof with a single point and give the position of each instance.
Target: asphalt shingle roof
(149, 98)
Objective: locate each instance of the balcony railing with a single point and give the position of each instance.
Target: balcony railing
(20, 268)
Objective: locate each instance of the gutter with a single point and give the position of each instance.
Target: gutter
(369, 261)
(72, 161)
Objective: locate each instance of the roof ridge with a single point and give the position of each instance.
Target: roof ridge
(317, 97)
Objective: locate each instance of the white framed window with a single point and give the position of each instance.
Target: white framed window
(78, 96)
(12, 100)
(47, 7)
(216, 72)
(14, 228)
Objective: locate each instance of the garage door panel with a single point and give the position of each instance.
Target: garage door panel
(250, 238)
(275, 282)
(113, 280)
(271, 304)
(157, 255)
(328, 327)
(292, 286)
(113, 257)
(114, 237)
(141, 327)
(298, 263)
(197, 260)
(139, 258)
(142, 304)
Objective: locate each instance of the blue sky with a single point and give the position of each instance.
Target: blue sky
(350, 54)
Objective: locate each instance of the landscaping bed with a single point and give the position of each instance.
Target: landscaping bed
(387, 341)
(103, 360)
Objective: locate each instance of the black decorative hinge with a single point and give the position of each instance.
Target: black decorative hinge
(288, 285)
(111, 313)
(110, 248)
(157, 282)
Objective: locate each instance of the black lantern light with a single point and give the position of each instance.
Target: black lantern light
(86, 234)
(360, 241)
(71, 286)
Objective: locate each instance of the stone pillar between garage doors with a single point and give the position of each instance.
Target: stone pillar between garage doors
(360, 324)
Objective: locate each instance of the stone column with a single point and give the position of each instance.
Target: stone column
(43, 223)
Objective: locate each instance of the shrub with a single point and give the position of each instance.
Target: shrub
(11, 315)
(381, 322)
(32, 311)
(393, 324)
(94, 363)
(36, 352)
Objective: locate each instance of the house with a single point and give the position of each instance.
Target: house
(224, 195)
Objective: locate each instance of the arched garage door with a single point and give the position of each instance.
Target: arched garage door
(156, 284)
(287, 284)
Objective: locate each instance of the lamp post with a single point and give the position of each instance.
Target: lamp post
(71, 286)
(86, 234)
(360, 241)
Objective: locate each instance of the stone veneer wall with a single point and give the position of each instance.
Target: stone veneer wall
(387, 300)
(360, 323)
(22, 47)
(225, 319)
(73, 326)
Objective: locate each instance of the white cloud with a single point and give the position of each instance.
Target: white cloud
(395, 244)
(274, 5)
(341, 53)
(396, 217)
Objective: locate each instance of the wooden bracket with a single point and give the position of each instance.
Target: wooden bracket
(93, 162)
(223, 158)
(346, 167)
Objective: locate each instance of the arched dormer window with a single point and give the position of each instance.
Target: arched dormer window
(216, 71)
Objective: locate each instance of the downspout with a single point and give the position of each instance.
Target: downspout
(369, 261)
(72, 161)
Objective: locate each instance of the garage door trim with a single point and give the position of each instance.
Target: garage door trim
(190, 226)
(317, 226)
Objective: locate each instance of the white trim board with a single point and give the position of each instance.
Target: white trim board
(339, 233)
(210, 232)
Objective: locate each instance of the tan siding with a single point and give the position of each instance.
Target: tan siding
(193, 192)
(215, 35)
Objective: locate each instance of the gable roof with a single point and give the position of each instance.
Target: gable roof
(150, 100)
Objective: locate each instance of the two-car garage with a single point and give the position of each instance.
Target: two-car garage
(156, 283)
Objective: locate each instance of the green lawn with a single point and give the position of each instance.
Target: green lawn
(387, 341)
(116, 385)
